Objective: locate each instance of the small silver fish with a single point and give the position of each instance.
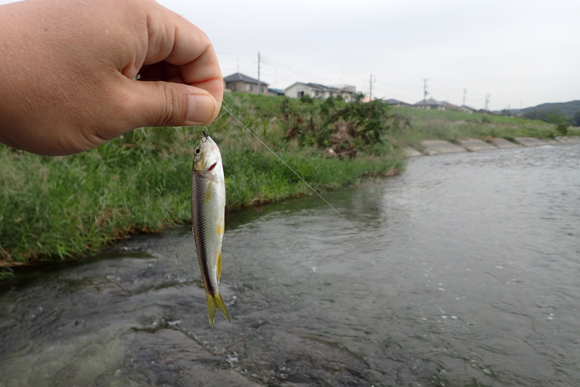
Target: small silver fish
(208, 201)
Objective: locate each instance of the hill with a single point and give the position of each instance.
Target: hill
(540, 112)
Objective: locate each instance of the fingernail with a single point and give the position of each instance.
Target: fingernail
(200, 109)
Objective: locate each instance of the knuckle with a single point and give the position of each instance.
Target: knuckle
(173, 110)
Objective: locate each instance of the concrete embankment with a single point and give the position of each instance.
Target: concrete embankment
(435, 147)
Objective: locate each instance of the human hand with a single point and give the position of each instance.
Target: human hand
(68, 68)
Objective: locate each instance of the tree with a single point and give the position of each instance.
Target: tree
(560, 120)
(577, 118)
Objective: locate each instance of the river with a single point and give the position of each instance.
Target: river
(462, 271)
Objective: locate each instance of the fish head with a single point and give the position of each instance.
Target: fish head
(206, 156)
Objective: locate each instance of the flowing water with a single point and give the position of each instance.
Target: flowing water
(471, 278)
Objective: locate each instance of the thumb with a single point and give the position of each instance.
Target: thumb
(172, 104)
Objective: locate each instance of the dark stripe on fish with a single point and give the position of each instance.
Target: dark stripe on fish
(200, 235)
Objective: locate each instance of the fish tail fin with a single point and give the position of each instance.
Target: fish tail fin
(213, 302)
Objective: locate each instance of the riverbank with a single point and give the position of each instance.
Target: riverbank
(59, 208)
(435, 147)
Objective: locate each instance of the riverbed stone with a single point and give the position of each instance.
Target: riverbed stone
(474, 145)
(180, 360)
(435, 147)
(502, 143)
(530, 141)
(410, 152)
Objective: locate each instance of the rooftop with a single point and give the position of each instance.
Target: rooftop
(239, 77)
(430, 102)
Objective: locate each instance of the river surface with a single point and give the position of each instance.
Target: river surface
(464, 271)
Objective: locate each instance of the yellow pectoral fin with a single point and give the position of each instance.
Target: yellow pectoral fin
(208, 193)
(219, 266)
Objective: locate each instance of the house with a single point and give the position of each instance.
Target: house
(316, 90)
(397, 103)
(275, 92)
(450, 106)
(430, 104)
(466, 109)
(244, 84)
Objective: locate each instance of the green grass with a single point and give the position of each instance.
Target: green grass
(62, 207)
(263, 178)
(454, 125)
(54, 208)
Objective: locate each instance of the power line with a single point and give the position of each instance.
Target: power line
(379, 91)
(302, 71)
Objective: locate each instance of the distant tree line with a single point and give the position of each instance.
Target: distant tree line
(557, 113)
(554, 116)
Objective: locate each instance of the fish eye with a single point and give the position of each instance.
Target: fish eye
(197, 151)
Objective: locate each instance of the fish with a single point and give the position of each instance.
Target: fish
(208, 202)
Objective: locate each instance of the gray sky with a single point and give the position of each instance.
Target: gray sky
(522, 53)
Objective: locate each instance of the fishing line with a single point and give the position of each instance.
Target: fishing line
(297, 175)
(225, 111)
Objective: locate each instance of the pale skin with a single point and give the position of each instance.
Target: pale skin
(68, 69)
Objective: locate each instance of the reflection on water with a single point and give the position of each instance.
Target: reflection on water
(469, 277)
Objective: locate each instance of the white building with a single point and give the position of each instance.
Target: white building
(316, 90)
(466, 109)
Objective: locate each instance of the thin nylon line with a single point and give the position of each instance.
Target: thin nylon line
(300, 177)
(220, 116)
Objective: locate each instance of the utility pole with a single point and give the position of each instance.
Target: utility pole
(371, 87)
(487, 95)
(425, 93)
(464, 92)
(258, 91)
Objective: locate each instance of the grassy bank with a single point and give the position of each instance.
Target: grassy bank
(453, 126)
(62, 207)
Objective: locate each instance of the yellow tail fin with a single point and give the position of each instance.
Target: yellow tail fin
(212, 303)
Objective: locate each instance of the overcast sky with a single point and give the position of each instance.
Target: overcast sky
(521, 53)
